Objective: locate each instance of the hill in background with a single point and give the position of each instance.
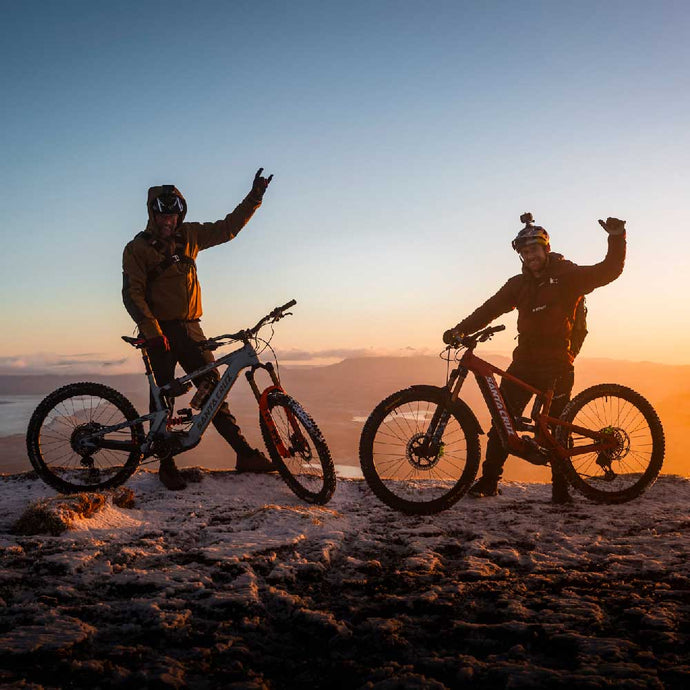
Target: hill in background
(341, 396)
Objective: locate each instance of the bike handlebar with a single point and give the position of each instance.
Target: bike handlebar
(285, 307)
(474, 338)
(244, 335)
(488, 332)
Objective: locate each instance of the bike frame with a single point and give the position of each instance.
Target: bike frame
(508, 426)
(236, 361)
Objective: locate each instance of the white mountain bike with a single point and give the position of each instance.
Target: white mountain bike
(88, 437)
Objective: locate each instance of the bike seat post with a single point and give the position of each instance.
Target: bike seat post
(147, 361)
(153, 386)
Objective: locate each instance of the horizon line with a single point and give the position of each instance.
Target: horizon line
(299, 363)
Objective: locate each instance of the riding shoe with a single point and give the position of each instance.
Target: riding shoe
(253, 460)
(484, 488)
(170, 476)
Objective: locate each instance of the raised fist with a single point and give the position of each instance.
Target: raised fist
(614, 226)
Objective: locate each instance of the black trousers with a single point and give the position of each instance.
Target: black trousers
(561, 378)
(183, 337)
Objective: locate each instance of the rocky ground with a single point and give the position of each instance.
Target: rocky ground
(236, 583)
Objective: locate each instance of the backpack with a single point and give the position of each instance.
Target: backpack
(579, 332)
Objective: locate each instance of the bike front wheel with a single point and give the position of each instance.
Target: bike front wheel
(306, 465)
(632, 466)
(69, 416)
(403, 466)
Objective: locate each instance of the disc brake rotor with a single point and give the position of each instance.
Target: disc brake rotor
(300, 446)
(422, 453)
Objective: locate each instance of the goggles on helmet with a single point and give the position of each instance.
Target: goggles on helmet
(167, 204)
(532, 234)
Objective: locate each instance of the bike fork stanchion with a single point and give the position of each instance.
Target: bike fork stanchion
(437, 427)
(457, 378)
(296, 438)
(252, 383)
(264, 409)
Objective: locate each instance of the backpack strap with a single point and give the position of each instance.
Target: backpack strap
(179, 257)
(164, 265)
(579, 330)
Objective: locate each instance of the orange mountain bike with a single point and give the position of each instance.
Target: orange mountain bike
(419, 448)
(87, 436)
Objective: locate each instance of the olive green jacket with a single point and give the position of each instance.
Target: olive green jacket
(159, 277)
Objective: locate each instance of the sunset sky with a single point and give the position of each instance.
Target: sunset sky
(406, 138)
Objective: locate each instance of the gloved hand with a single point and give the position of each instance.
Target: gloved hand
(613, 226)
(159, 341)
(260, 183)
(451, 335)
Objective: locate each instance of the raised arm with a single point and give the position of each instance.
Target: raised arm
(583, 279)
(207, 235)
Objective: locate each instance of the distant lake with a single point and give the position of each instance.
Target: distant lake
(15, 411)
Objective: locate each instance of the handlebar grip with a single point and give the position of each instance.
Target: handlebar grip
(278, 311)
(500, 327)
(208, 345)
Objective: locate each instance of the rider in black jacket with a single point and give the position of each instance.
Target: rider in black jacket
(546, 294)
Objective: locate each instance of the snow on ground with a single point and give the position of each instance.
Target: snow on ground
(235, 580)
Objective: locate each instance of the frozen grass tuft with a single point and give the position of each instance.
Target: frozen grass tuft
(123, 497)
(56, 515)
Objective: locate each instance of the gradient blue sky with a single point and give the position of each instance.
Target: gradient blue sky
(405, 137)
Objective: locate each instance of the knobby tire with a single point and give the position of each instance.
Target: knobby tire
(309, 472)
(61, 417)
(638, 461)
(388, 463)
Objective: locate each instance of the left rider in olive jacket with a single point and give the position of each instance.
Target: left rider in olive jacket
(161, 292)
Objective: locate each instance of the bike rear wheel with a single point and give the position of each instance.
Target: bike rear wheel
(64, 419)
(400, 465)
(308, 468)
(633, 465)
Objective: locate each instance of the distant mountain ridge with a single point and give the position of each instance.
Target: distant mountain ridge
(36, 384)
(381, 368)
(340, 395)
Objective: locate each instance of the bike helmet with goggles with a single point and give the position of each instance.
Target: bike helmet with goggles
(530, 234)
(167, 204)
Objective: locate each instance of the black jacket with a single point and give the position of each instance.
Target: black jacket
(546, 306)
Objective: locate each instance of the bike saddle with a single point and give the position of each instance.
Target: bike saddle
(134, 342)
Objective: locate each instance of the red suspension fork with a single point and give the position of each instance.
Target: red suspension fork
(297, 440)
(270, 424)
